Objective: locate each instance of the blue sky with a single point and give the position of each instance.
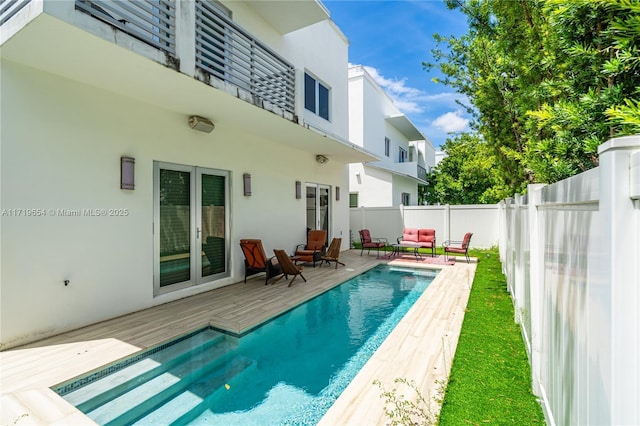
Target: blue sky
(392, 38)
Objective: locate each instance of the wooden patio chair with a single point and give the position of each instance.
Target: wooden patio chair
(368, 242)
(256, 261)
(313, 249)
(333, 253)
(460, 247)
(288, 267)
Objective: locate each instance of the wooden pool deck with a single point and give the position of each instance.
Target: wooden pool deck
(420, 348)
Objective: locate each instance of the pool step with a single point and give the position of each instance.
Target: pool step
(111, 386)
(144, 395)
(190, 403)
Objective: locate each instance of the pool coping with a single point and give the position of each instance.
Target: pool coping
(29, 399)
(403, 354)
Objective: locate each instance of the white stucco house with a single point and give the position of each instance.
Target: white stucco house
(377, 125)
(142, 140)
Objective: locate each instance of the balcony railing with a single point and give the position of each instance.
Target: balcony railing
(422, 173)
(150, 21)
(228, 53)
(408, 168)
(221, 49)
(8, 8)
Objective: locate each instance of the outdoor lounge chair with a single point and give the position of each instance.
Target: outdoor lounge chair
(368, 242)
(255, 260)
(460, 247)
(333, 253)
(288, 268)
(313, 249)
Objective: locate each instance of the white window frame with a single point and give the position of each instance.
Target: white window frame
(403, 155)
(317, 84)
(357, 200)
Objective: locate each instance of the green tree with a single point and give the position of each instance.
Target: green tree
(595, 71)
(466, 175)
(547, 80)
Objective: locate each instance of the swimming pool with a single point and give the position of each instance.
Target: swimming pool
(287, 371)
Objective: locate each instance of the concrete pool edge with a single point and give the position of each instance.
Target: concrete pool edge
(29, 371)
(409, 353)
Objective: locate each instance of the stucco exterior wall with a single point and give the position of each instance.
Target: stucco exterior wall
(404, 185)
(331, 70)
(61, 148)
(383, 182)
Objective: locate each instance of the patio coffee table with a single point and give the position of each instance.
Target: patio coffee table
(415, 246)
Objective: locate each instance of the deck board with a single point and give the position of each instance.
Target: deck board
(420, 348)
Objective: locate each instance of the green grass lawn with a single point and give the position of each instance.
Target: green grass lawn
(490, 380)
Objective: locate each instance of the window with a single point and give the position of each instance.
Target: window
(316, 97)
(191, 217)
(353, 200)
(405, 198)
(387, 145)
(402, 155)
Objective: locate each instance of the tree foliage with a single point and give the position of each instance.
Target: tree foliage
(547, 81)
(466, 175)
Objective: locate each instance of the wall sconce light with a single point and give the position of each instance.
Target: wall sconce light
(298, 190)
(337, 193)
(322, 159)
(246, 178)
(127, 169)
(201, 124)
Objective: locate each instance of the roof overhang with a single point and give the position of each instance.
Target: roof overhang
(56, 47)
(396, 173)
(288, 16)
(405, 126)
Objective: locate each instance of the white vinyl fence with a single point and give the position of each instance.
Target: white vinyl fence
(450, 222)
(571, 255)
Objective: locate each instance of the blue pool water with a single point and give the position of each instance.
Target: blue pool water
(288, 371)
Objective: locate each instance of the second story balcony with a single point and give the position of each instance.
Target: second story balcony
(410, 169)
(409, 160)
(191, 57)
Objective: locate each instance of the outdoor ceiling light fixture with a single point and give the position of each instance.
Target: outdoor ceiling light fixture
(322, 159)
(127, 169)
(201, 124)
(247, 184)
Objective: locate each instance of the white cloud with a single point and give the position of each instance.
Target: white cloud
(411, 100)
(407, 99)
(451, 122)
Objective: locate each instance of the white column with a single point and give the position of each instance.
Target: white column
(518, 261)
(536, 285)
(447, 222)
(186, 36)
(502, 228)
(621, 218)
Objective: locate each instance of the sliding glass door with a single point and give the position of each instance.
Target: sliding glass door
(190, 226)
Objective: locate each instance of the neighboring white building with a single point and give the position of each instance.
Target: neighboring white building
(378, 126)
(93, 87)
